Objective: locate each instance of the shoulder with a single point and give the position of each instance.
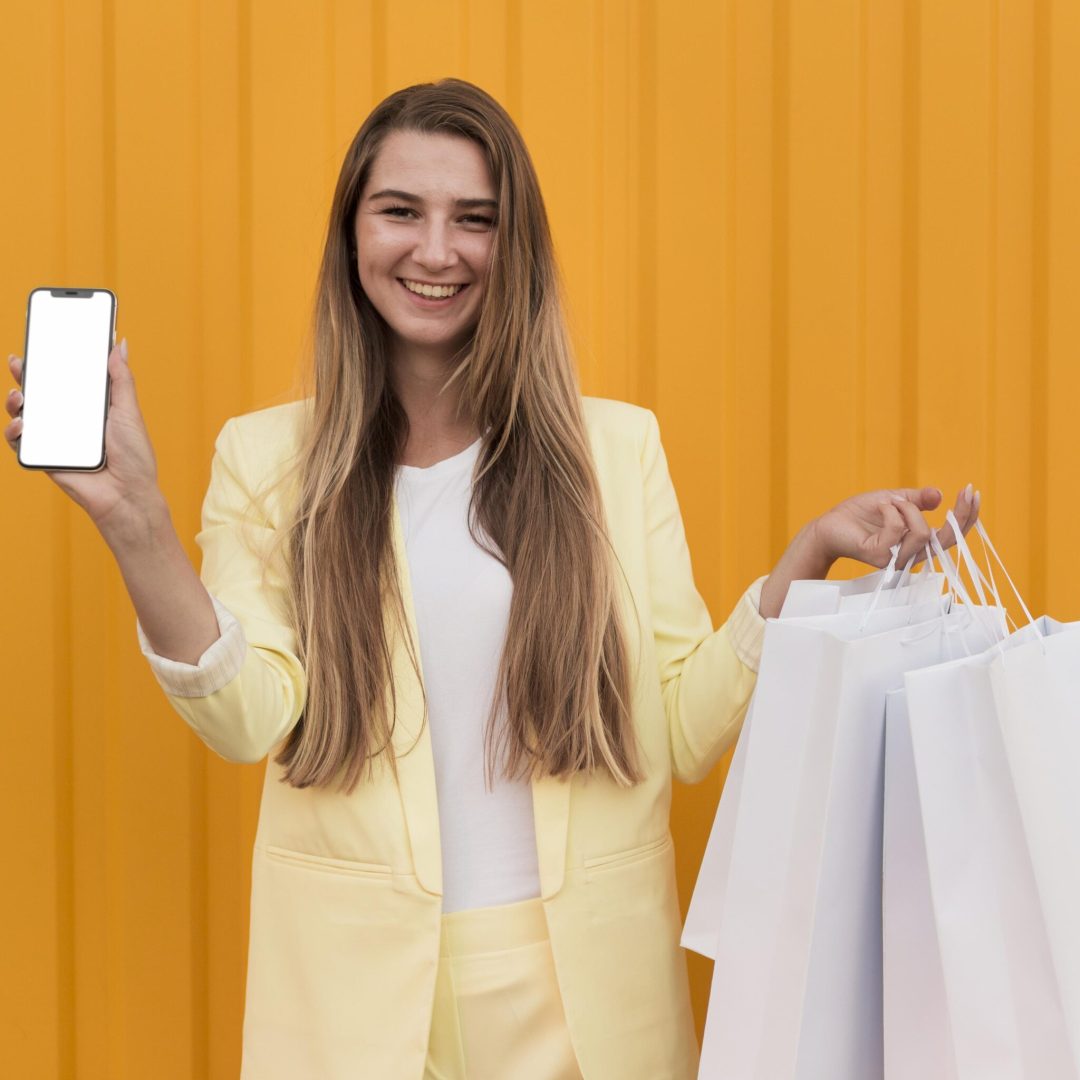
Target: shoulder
(260, 448)
(610, 420)
(265, 439)
(277, 426)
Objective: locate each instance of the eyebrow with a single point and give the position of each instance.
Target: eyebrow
(406, 196)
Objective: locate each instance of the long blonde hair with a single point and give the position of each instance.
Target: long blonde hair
(564, 671)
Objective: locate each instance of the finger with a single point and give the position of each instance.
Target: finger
(14, 401)
(964, 512)
(927, 498)
(892, 531)
(917, 536)
(12, 432)
(16, 365)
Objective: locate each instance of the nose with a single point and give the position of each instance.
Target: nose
(434, 246)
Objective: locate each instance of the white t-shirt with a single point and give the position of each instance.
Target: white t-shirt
(461, 600)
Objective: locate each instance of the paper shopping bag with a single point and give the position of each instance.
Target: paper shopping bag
(975, 984)
(984, 936)
(1036, 690)
(917, 1039)
(796, 989)
(702, 927)
(829, 597)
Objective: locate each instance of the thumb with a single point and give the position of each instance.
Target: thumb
(122, 390)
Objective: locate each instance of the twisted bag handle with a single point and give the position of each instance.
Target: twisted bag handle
(988, 546)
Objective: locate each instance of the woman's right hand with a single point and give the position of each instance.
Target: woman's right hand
(119, 496)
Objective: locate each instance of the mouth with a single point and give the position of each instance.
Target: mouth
(429, 296)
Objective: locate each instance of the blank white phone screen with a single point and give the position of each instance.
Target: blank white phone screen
(64, 380)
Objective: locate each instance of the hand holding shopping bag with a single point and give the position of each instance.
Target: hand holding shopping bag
(855, 534)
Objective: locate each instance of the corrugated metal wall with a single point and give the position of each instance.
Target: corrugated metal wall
(834, 244)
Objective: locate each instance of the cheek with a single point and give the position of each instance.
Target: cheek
(479, 258)
(378, 246)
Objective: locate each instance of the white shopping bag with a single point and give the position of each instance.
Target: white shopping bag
(1036, 692)
(702, 927)
(826, 597)
(984, 937)
(796, 989)
(917, 1040)
(972, 983)
(701, 931)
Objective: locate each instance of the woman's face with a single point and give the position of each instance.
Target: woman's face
(426, 218)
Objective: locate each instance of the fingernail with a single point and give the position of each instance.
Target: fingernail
(899, 499)
(968, 492)
(978, 497)
(123, 349)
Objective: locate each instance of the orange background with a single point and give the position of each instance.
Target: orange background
(834, 245)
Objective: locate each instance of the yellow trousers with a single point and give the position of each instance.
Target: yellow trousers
(498, 1012)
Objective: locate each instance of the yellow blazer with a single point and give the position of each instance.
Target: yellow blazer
(346, 890)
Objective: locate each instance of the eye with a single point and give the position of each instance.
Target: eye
(393, 210)
(479, 219)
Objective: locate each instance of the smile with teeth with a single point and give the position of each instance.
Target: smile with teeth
(434, 292)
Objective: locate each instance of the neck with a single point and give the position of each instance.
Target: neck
(435, 423)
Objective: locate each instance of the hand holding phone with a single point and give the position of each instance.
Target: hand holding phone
(119, 494)
(116, 477)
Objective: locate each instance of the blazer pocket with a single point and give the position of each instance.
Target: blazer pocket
(628, 855)
(326, 864)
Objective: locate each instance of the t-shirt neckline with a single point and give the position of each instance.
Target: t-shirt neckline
(439, 467)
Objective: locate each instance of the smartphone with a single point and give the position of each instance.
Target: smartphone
(69, 335)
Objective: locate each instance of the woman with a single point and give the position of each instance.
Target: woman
(452, 599)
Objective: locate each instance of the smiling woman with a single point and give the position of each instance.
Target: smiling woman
(451, 598)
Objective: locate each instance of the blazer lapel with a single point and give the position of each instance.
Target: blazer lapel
(412, 739)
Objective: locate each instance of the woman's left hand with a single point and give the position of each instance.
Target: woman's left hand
(865, 527)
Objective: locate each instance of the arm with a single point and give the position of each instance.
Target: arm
(706, 675)
(248, 688)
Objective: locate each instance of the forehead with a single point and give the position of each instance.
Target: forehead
(433, 165)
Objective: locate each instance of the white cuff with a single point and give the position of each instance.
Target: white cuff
(746, 626)
(218, 666)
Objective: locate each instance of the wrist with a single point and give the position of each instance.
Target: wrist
(139, 523)
(811, 550)
(806, 558)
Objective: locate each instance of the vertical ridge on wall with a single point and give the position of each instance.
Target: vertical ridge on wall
(909, 240)
(780, 293)
(245, 176)
(647, 346)
(198, 810)
(1037, 592)
(379, 88)
(513, 60)
(1059, 24)
(861, 268)
(989, 441)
